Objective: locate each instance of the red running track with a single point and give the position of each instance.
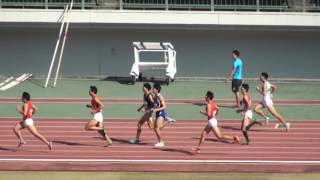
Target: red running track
(271, 149)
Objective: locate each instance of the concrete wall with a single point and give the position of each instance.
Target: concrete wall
(101, 51)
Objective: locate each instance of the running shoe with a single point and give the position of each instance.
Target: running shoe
(50, 145)
(21, 143)
(160, 144)
(237, 139)
(196, 149)
(171, 120)
(108, 144)
(267, 119)
(134, 141)
(287, 127)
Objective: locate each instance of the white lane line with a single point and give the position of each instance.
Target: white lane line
(137, 161)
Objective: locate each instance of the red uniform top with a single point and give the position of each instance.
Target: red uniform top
(95, 106)
(247, 104)
(29, 111)
(212, 110)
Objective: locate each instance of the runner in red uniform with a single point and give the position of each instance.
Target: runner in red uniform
(211, 111)
(27, 110)
(96, 123)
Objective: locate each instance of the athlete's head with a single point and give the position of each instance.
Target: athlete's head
(93, 89)
(146, 87)
(235, 54)
(264, 76)
(209, 96)
(245, 87)
(25, 96)
(156, 88)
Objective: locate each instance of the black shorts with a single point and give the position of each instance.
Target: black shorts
(235, 86)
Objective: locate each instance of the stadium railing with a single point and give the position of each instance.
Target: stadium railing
(205, 5)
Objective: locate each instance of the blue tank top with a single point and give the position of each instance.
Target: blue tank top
(147, 103)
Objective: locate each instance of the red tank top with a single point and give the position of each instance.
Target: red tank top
(95, 106)
(212, 110)
(29, 111)
(247, 104)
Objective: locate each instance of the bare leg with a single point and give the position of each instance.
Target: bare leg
(245, 123)
(93, 125)
(35, 132)
(220, 136)
(259, 110)
(158, 125)
(237, 95)
(205, 131)
(17, 131)
(144, 118)
(274, 112)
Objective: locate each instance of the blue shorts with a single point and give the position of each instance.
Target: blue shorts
(161, 114)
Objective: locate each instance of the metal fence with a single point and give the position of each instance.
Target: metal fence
(209, 5)
(55, 4)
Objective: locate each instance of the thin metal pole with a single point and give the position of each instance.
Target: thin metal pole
(62, 47)
(57, 46)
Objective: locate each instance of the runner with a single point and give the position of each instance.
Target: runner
(267, 90)
(246, 112)
(147, 107)
(212, 125)
(96, 123)
(27, 110)
(161, 115)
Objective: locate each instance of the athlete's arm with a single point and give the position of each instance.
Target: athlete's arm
(19, 110)
(101, 106)
(35, 109)
(163, 105)
(233, 70)
(259, 90)
(273, 88)
(205, 112)
(139, 109)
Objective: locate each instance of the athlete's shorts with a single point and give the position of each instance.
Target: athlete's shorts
(26, 123)
(267, 101)
(98, 117)
(161, 114)
(235, 85)
(248, 114)
(213, 122)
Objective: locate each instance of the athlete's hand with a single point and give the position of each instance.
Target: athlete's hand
(88, 105)
(202, 112)
(19, 109)
(239, 110)
(154, 110)
(258, 88)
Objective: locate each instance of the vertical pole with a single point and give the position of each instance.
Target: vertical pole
(212, 5)
(57, 46)
(121, 4)
(0, 4)
(303, 5)
(46, 4)
(258, 5)
(167, 5)
(63, 43)
(82, 4)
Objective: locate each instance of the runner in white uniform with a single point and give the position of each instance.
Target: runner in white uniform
(266, 90)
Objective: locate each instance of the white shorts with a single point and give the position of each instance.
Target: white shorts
(98, 117)
(248, 114)
(28, 122)
(267, 101)
(213, 122)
